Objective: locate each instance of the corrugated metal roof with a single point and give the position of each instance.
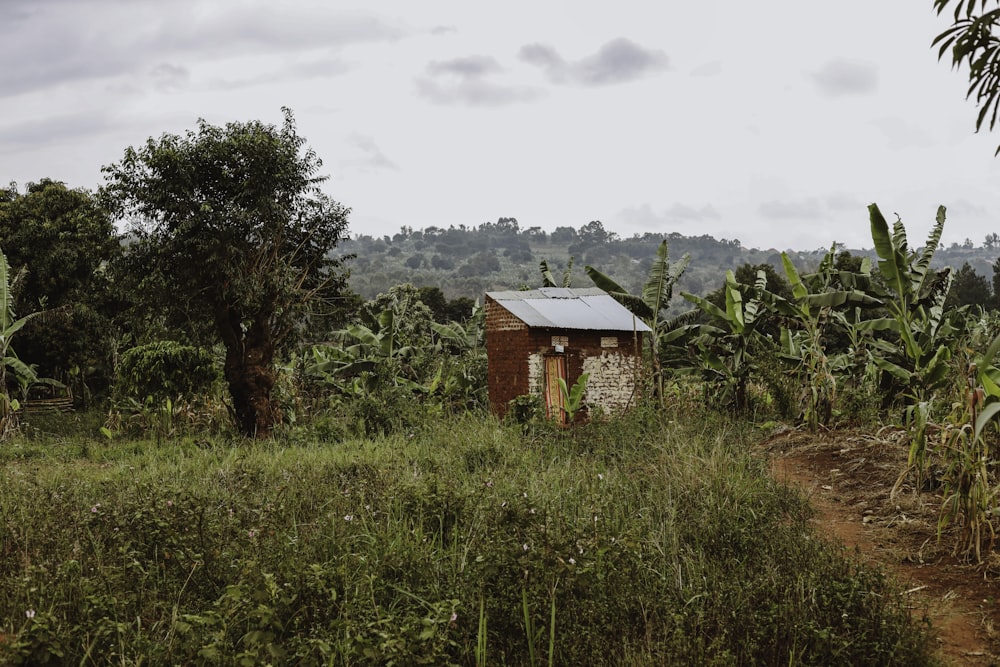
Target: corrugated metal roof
(567, 308)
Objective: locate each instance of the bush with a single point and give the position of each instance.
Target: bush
(165, 369)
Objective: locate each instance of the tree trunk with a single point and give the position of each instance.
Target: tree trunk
(249, 370)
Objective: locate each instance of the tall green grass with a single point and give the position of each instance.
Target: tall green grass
(650, 540)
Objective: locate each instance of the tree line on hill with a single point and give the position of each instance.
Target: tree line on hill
(102, 295)
(469, 260)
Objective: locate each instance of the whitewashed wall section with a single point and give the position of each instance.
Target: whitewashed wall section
(536, 366)
(613, 378)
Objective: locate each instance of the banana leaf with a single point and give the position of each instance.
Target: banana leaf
(891, 250)
(895, 370)
(634, 303)
(706, 306)
(734, 304)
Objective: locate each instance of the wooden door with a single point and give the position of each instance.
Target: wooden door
(555, 369)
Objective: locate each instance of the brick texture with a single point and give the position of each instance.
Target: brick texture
(510, 343)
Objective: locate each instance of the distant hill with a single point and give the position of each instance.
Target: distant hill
(468, 261)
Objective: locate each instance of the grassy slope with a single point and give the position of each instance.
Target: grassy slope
(646, 541)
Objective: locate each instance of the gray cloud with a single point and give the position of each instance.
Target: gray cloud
(474, 93)
(678, 214)
(169, 78)
(965, 208)
(684, 212)
(838, 78)
(813, 208)
(899, 134)
(617, 61)
(317, 69)
(708, 69)
(63, 56)
(542, 56)
(465, 67)
(464, 80)
(57, 42)
(370, 157)
(273, 29)
(809, 208)
(58, 129)
(840, 201)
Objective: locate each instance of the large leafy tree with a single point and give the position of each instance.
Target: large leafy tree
(62, 239)
(231, 227)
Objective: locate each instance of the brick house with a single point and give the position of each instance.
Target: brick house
(534, 337)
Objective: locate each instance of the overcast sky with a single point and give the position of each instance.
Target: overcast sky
(773, 122)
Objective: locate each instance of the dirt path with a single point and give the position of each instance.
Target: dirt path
(848, 477)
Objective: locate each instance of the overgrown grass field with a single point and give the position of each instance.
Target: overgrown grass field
(651, 540)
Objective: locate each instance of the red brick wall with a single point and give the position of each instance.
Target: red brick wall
(509, 343)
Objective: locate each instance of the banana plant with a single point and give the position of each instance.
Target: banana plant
(9, 326)
(549, 280)
(650, 305)
(914, 297)
(723, 348)
(461, 337)
(855, 363)
(363, 351)
(918, 351)
(460, 377)
(572, 397)
(815, 297)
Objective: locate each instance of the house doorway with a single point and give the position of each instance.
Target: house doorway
(555, 369)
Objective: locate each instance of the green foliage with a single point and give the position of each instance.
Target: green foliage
(165, 369)
(724, 349)
(403, 360)
(61, 235)
(970, 491)
(572, 397)
(525, 409)
(925, 335)
(969, 289)
(9, 326)
(63, 240)
(813, 299)
(231, 228)
(971, 41)
(607, 546)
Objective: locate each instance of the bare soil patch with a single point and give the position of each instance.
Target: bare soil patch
(848, 477)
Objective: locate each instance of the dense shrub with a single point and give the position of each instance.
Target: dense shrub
(165, 369)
